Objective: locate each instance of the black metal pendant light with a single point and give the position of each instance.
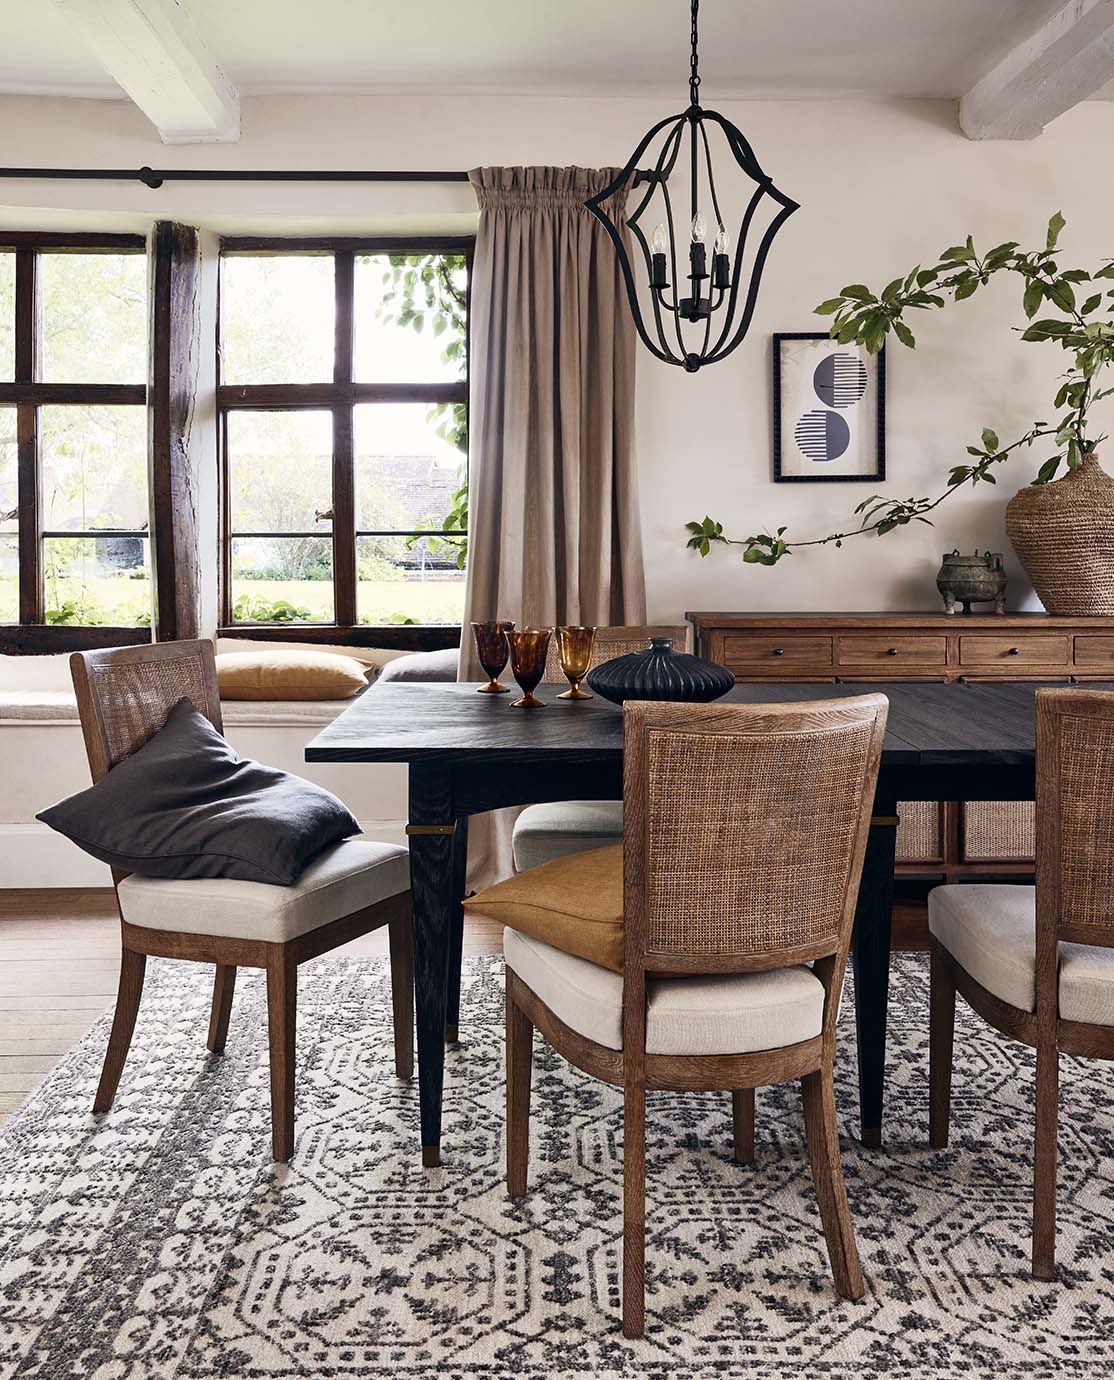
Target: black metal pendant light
(703, 322)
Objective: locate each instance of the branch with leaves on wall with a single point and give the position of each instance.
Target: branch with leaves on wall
(1083, 326)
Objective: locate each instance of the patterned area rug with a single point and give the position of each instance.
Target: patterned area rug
(164, 1243)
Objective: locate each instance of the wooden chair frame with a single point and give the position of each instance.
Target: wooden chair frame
(633, 1070)
(1041, 1029)
(279, 960)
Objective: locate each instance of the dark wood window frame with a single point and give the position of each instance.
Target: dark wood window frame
(32, 633)
(339, 397)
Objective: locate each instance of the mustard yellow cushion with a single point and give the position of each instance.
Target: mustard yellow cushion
(288, 676)
(574, 903)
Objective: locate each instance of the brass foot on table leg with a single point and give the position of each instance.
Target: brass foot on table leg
(431, 1156)
(872, 1137)
(452, 1034)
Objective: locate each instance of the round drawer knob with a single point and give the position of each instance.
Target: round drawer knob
(1015, 651)
(891, 651)
(779, 651)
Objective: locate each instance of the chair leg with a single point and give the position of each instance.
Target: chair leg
(224, 986)
(401, 935)
(827, 1175)
(1044, 1161)
(941, 1035)
(520, 1050)
(132, 968)
(634, 1211)
(742, 1119)
(282, 1005)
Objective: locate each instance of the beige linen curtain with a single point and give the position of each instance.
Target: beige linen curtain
(553, 523)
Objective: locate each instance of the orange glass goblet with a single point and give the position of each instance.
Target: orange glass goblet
(528, 652)
(574, 652)
(493, 650)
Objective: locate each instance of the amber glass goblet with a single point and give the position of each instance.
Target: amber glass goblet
(491, 644)
(574, 652)
(528, 652)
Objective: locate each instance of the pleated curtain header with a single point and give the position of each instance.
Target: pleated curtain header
(536, 188)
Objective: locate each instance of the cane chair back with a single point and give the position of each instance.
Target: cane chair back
(1075, 818)
(125, 693)
(614, 641)
(746, 827)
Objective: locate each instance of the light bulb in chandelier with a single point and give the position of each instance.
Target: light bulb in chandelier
(659, 273)
(721, 263)
(699, 228)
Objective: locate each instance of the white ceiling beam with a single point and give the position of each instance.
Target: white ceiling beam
(1067, 60)
(153, 51)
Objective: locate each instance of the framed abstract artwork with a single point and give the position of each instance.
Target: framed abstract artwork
(829, 410)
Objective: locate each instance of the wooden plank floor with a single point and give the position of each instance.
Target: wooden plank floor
(59, 964)
(60, 959)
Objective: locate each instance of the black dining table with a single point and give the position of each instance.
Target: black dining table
(468, 753)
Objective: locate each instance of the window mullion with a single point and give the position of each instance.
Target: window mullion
(29, 469)
(344, 488)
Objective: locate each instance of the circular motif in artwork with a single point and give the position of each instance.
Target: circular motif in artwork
(840, 379)
(822, 435)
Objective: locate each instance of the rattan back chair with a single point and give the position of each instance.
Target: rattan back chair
(1072, 903)
(124, 696)
(616, 640)
(745, 831)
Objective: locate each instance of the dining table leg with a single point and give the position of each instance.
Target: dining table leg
(430, 832)
(871, 962)
(456, 936)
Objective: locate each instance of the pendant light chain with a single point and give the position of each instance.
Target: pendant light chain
(694, 75)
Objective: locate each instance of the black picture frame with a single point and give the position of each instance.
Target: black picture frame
(874, 477)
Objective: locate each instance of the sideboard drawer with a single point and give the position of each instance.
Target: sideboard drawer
(775, 652)
(1094, 649)
(892, 651)
(1043, 650)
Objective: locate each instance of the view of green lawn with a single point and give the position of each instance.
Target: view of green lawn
(118, 599)
(377, 601)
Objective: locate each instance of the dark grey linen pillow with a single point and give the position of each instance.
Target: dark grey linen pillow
(422, 667)
(185, 806)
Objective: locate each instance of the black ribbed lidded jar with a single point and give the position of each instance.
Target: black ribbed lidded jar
(660, 673)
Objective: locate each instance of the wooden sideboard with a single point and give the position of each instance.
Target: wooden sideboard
(934, 841)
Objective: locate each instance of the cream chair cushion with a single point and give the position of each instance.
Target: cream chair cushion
(545, 832)
(991, 931)
(717, 1014)
(343, 879)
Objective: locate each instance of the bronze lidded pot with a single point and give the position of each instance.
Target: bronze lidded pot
(971, 580)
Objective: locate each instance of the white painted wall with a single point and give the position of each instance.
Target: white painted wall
(882, 185)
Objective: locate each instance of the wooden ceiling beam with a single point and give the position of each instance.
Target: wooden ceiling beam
(1067, 60)
(152, 50)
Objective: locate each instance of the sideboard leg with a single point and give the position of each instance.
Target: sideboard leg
(871, 959)
(456, 934)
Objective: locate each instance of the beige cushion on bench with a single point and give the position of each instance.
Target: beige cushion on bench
(733, 1013)
(545, 832)
(343, 879)
(991, 932)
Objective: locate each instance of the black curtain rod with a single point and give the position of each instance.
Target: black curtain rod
(155, 177)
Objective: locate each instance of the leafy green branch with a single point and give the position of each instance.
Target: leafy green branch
(865, 318)
(431, 290)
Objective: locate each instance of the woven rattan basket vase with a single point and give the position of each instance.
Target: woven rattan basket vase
(1063, 534)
